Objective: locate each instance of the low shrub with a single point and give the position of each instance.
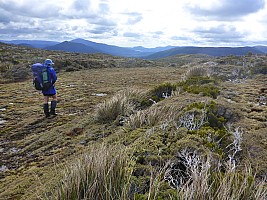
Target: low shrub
(17, 73)
(194, 177)
(200, 85)
(260, 68)
(161, 91)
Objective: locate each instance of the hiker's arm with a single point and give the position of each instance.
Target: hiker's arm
(54, 76)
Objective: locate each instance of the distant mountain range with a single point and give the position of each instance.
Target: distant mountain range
(72, 47)
(86, 46)
(212, 51)
(32, 43)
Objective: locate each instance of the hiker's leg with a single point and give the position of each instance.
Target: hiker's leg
(54, 97)
(46, 99)
(54, 105)
(46, 106)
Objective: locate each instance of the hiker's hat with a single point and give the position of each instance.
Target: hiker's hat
(48, 62)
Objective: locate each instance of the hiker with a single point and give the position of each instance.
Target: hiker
(50, 92)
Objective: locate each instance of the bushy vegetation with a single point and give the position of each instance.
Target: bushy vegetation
(202, 181)
(200, 85)
(106, 174)
(18, 74)
(260, 68)
(199, 126)
(162, 91)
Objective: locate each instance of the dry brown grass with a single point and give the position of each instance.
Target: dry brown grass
(196, 71)
(123, 103)
(102, 173)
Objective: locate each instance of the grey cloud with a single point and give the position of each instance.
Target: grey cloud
(157, 34)
(102, 22)
(34, 33)
(81, 5)
(222, 33)
(86, 6)
(5, 17)
(134, 18)
(229, 9)
(30, 9)
(104, 7)
(13, 32)
(130, 34)
(84, 9)
(180, 38)
(101, 30)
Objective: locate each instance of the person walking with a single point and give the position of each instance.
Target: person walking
(50, 92)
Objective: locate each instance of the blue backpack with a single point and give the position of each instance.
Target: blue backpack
(41, 77)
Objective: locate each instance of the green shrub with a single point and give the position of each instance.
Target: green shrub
(214, 120)
(260, 68)
(162, 91)
(204, 85)
(18, 73)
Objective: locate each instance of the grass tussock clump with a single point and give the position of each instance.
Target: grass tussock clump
(101, 174)
(124, 103)
(196, 72)
(150, 117)
(106, 173)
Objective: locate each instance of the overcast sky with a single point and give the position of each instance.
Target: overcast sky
(128, 23)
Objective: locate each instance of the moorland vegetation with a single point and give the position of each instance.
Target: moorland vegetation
(183, 127)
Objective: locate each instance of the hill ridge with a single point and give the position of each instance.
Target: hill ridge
(87, 46)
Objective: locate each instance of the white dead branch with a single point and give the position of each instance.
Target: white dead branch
(234, 147)
(192, 120)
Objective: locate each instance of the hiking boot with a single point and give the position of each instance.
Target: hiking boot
(53, 108)
(46, 110)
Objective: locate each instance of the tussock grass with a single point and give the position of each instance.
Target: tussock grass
(196, 71)
(102, 174)
(151, 116)
(105, 174)
(111, 109)
(123, 103)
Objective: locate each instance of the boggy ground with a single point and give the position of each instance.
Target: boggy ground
(33, 147)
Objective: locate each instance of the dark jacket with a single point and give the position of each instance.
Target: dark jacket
(53, 76)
